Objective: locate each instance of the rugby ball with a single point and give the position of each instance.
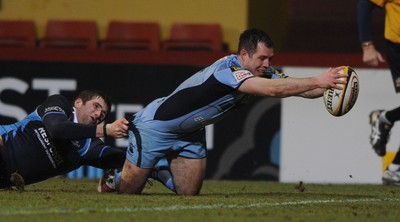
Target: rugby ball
(340, 102)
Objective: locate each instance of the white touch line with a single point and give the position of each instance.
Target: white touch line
(194, 207)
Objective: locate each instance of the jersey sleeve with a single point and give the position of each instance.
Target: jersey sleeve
(364, 20)
(272, 73)
(103, 156)
(57, 116)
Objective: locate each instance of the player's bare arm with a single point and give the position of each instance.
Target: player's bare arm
(294, 86)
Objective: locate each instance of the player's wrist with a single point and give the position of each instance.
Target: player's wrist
(367, 45)
(105, 130)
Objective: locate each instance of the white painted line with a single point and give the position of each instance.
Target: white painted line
(17, 212)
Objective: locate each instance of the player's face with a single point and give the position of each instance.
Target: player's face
(92, 112)
(259, 61)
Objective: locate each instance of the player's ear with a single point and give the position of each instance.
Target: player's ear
(78, 102)
(243, 54)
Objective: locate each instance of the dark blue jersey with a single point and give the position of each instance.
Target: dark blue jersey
(50, 142)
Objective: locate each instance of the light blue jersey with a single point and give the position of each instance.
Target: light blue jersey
(200, 100)
(175, 123)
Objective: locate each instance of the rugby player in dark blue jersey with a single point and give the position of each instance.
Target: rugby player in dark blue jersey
(57, 138)
(172, 128)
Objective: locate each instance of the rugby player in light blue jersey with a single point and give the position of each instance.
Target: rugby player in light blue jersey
(172, 128)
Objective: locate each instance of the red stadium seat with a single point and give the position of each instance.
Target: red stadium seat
(132, 35)
(188, 36)
(17, 33)
(70, 34)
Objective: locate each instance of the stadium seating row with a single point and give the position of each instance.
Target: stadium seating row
(120, 35)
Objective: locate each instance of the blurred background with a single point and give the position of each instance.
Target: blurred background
(295, 25)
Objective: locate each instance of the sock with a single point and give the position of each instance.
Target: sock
(393, 115)
(117, 178)
(163, 175)
(393, 167)
(384, 119)
(396, 160)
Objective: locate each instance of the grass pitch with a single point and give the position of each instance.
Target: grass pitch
(62, 199)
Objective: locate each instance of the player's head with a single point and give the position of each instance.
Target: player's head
(92, 106)
(255, 50)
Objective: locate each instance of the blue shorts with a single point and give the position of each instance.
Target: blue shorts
(147, 146)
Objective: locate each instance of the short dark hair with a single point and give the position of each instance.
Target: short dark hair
(87, 95)
(250, 38)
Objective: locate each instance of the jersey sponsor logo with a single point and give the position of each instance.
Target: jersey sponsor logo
(50, 150)
(53, 108)
(242, 74)
(236, 68)
(198, 119)
(76, 143)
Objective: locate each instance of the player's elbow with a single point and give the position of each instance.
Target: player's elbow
(55, 131)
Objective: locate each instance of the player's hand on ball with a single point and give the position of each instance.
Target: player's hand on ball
(340, 101)
(332, 78)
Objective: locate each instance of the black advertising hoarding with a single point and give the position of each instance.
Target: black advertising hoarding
(244, 145)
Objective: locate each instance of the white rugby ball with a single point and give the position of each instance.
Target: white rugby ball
(340, 102)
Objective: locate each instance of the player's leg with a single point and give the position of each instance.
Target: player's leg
(380, 131)
(141, 156)
(391, 175)
(188, 174)
(392, 115)
(4, 182)
(393, 58)
(188, 163)
(7, 180)
(132, 179)
(382, 121)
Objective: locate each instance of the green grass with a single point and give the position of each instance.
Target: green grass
(77, 200)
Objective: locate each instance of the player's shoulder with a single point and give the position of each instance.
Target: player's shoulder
(55, 103)
(381, 3)
(229, 63)
(58, 98)
(231, 72)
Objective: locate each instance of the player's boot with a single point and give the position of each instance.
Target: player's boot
(107, 183)
(391, 177)
(380, 132)
(18, 181)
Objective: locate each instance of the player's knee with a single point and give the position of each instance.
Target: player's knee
(131, 187)
(133, 179)
(187, 193)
